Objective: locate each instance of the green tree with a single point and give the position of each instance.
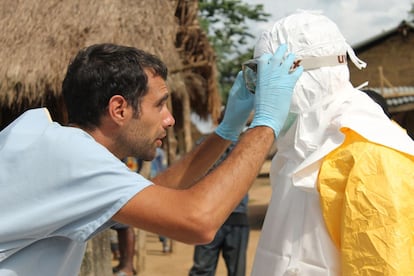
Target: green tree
(411, 12)
(227, 24)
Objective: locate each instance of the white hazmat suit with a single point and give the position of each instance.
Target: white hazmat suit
(340, 203)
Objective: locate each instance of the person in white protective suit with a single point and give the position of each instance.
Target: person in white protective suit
(343, 176)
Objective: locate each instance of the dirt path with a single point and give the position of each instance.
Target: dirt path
(179, 261)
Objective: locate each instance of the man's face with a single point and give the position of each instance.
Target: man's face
(144, 133)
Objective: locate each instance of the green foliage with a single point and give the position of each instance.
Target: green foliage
(226, 23)
(411, 12)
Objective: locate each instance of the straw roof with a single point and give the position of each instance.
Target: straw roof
(39, 38)
(199, 66)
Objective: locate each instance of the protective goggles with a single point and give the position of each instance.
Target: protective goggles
(249, 67)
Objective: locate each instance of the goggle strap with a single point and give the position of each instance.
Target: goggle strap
(358, 63)
(317, 62)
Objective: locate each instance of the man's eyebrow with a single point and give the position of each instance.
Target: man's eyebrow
(164, 98)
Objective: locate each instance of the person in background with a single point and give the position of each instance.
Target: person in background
(159, 164)
(231, 241)
(379, 99)
(124, 247)
(126, 250)
(61, 185)
(342, 178)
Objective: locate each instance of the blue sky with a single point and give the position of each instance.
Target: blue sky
(358, 20)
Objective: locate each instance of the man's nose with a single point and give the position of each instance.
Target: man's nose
(169, 120)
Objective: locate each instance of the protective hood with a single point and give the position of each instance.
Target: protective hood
(294, 239)
(324, 100)
(311, 35)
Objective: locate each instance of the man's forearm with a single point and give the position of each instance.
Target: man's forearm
(230, 181)
(196, 213)
(194, 165)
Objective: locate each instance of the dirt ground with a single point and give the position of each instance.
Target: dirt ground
(179, 261)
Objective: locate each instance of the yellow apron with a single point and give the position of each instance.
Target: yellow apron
(367, 201)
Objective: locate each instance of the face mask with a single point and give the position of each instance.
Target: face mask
(249, 67)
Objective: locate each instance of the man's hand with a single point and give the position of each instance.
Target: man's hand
(239, 106)
(274, 89)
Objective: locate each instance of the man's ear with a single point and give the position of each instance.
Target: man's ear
(118, 109)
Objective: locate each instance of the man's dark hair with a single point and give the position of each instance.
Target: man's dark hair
(101, 71)
(376, 97)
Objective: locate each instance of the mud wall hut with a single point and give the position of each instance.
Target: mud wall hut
(390, 70)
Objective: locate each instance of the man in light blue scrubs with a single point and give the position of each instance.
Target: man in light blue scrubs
(60, 185)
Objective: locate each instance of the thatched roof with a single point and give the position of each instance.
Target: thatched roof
(199, 61)
(39, 38)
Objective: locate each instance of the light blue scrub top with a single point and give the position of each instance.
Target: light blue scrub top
(58, 188)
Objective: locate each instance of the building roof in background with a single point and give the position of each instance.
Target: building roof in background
(366, 44)
(399, 99)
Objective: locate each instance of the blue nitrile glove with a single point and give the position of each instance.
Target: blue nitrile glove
(239, 105)
(274, 89)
